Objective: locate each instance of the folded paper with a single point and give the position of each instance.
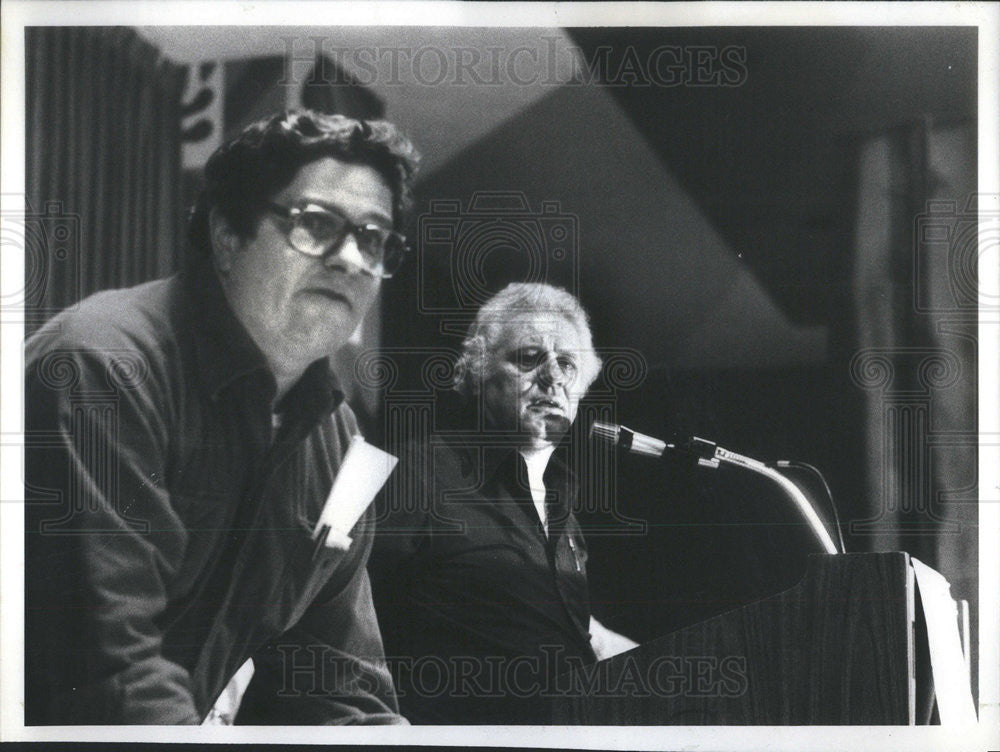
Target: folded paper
(362, 473)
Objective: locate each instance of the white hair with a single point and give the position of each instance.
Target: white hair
(520, 298)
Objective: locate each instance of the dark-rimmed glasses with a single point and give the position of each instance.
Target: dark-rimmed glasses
(319, 232)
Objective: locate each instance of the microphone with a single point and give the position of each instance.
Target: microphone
(690, 449)
(709, 454)
(627, 440)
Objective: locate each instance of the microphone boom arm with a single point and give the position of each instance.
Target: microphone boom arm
(711, 455)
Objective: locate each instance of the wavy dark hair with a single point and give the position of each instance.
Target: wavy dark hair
(242, 175)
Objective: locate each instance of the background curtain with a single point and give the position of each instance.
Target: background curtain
(916, 295)
(103, 203)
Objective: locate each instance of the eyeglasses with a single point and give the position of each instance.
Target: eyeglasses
(319, 233)
(528, 360)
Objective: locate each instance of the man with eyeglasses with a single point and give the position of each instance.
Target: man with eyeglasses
(183, 437)
(479, 569)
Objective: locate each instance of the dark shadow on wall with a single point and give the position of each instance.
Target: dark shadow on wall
(717, 241)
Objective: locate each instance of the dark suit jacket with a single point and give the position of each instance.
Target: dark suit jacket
(480, 611)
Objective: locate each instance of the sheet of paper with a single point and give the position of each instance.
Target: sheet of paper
(223, 713)
(363, 472)
(948, 666)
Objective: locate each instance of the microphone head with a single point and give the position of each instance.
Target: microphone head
(627, 440)
(607, 433)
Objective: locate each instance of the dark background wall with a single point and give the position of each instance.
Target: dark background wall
(717, 243)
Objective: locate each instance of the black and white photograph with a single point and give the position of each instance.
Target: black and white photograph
(554, 375)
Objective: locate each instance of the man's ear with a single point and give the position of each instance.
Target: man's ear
(464, 385)
(469, 368)
(225, 242)
(474, 380)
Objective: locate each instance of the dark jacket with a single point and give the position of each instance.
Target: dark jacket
(168, 525)
(481, 611)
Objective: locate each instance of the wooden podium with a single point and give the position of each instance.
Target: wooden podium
(838, 648)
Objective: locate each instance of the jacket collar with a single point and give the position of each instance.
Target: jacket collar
(505, 467)
(503, 463)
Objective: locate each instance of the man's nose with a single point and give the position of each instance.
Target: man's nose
(550, 373)
(349, 252)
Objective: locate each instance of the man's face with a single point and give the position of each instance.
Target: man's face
(296, 307)
(532, 381)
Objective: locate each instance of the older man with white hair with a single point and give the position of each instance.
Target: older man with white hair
(479, 569)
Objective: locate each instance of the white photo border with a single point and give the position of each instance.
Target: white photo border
(17, 15)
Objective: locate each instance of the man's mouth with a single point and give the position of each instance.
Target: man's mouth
(331, 295)
(544, 403)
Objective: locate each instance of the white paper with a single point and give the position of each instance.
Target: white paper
(223, 713)
(362, 473)
(948, 666)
